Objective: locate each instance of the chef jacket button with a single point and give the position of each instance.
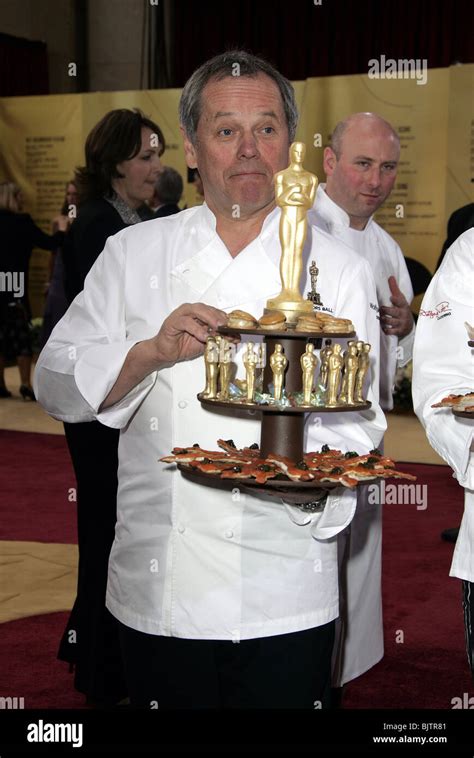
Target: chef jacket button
(229, 534)
(181, 528)
(182, 404)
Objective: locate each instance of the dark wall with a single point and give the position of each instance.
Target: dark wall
(336, 37)
(23, 67)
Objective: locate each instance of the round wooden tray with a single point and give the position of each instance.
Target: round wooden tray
(463, 414)
(240, 406)
(279, 485)
(286, 334)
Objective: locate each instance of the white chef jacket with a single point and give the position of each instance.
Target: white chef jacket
(385, 259)
(443, 365)
(359, 641)
(188, 560)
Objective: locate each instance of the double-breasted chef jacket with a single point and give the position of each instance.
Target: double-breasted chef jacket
(443, 364)
(386, 259)
(359, 641)
(188, 560)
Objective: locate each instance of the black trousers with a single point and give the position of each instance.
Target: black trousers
(90, 641)
(285, 671)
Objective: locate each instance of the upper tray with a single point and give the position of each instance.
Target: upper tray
(285, 409)
(286, 334)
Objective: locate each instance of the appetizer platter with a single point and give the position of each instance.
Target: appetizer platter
(325, 469)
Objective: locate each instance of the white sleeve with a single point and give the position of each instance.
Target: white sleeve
(85, 353)
(406, 343)
(443, 362)
(405, 354)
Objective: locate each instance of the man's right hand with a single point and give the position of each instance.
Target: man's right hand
(184, 333)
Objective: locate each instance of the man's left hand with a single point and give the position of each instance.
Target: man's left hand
(399, 319)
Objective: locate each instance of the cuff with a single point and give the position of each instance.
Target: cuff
(96, 372)
(336, 515)
(405, 354)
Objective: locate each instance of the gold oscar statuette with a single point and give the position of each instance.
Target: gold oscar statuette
(211, 360)
(250, 361)
(278, 364)
(351, 364)
(308, 366)
(295, 190)
(324, 358)
(225, 368)
(364, 364)
(335, 364)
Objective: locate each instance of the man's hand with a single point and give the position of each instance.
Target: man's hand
(182, 336)
(399, 319)
(184, 333)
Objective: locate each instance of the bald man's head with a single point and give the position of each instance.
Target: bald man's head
(359, 121)
(361, 165)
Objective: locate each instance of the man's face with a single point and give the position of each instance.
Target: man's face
(241, 142)
(363, 177)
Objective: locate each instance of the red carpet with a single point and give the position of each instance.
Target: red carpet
(427, 670)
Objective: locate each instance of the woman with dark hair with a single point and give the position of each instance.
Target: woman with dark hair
(122, 163)
(19, 234)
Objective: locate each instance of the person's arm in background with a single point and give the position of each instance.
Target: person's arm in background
(442, 361)
(38, 238)
(398, 319)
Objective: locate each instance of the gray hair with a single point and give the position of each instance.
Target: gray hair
(169, 186)
(232, 63)
(341, 126)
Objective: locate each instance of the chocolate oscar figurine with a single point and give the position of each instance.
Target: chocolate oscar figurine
(308, 366)
(351, 364)
(211, 360)
(364, 364)
(225, 367)
(295, 191)
(335, 364)
(250, 361)
(324, 357)
(278, 364)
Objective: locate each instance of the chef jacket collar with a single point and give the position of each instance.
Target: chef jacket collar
(212, 272)
(333, 214)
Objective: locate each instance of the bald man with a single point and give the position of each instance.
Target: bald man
(361, 168)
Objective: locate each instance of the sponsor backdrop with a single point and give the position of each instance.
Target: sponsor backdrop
(43, 139)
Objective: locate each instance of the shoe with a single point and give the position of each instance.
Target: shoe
(4, 392)
(27, 392)
(450, 535)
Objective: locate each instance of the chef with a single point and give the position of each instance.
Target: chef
(443, 365)
(224, 599)
(361, 168)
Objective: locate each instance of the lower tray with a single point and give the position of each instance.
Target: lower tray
(463, 414)
(273, 487)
